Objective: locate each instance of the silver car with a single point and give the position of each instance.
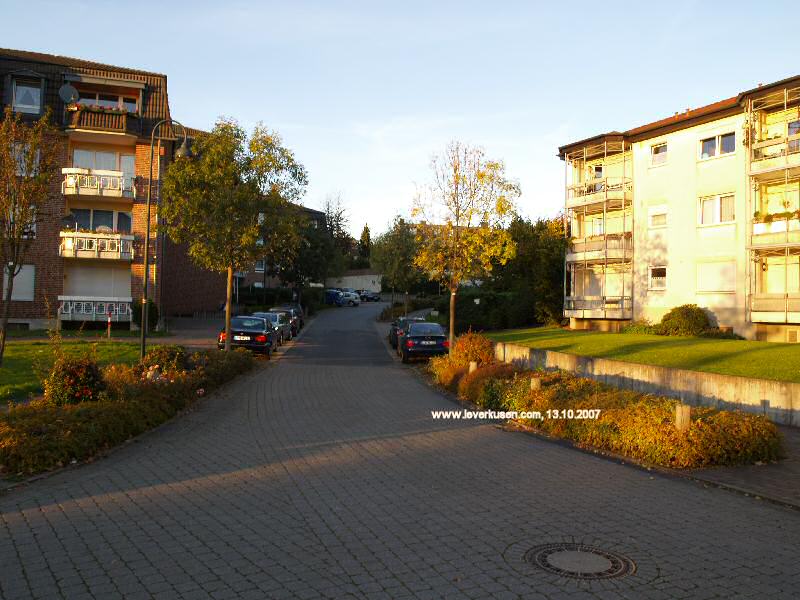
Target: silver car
(281, 324)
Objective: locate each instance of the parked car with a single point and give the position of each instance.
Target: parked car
(294, 317)
(332, 296)
(368, 296)
(423, 340)
(301, 313)
(253, 333)
(280, 324)
(398, 326)
(350, 299)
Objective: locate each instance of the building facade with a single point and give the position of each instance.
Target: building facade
(699, 208)
(86, 261)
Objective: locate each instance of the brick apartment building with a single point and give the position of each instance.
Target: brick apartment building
(86, 261)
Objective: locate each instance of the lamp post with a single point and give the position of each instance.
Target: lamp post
(181, 152)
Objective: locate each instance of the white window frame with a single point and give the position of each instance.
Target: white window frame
(718, 153)
(717, 210)
(120, 99)
(653, 162)
(708, 290)
(260, 269)
(25, 108)
(19, 150)
(657, 211)
(650, 286)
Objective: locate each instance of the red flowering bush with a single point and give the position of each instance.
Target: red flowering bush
(72, 380)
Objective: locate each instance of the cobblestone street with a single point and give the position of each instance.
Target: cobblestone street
(322, 475)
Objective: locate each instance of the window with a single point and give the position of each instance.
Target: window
(115, 101)
(657, 279)
(106, 161)
(259, 266)
(658, 219)
(27, 96)
(23, 284)
(718, 145)
(596, 227)
(658, 154)
(717, 209)
(716, 276)
(21, 155)
(794, 129)
(102, 221)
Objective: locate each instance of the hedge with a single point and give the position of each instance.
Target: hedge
(37, 437)
(633, 424)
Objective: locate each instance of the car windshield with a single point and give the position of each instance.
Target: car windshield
(426, 329)
(248, 323)
(273, 318)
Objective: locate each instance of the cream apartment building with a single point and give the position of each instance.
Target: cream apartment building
(699, 208)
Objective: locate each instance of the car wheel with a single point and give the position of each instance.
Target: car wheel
(404, 358)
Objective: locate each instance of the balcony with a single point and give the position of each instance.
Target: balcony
(598, 307)
(88, 119)
(618, 189)
(94, 182)
(612, 247)
(96, 245)
(779, 231)
(75, 308)
(779, 152)
(775, 308)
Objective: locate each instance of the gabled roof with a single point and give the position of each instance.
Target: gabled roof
(67, 61)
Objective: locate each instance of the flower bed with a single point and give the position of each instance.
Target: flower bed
(44, 434)
(640, 426)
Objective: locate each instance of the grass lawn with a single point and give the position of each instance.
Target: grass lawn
(763, 360)
(17, 377)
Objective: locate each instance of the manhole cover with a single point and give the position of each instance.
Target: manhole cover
(580, 561)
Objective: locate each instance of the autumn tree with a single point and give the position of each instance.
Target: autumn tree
(364, 243)
(462, 217)
(215, 202)
(28, 162)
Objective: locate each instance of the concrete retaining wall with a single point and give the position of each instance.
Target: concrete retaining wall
(778, 400)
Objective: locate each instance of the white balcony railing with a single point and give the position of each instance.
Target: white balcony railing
(598, 307)
(108, 246)
(94, 182)
(778, 231)
(76, 308)
(600, 190)
(775, 308)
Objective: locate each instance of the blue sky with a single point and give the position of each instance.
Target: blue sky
(366, 92)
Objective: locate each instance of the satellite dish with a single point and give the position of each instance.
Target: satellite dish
(68, 94)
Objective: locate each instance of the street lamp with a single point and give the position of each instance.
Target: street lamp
(183, 152)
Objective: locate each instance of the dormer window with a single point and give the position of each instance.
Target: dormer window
(27, 96)
(109, 100)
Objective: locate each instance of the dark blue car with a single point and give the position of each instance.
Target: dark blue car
(423, 340)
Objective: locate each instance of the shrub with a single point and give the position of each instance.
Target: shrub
(471, 386)
(688, 319)
(470, 347)
(445, 372)
(42, 435)
(642, 426)
(152, 314)
(720, 334)
(73, 379)
(641, 326)
(170, 358)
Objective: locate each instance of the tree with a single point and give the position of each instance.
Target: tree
(316, 257)
(364, 243)
(393, 255)
(462, 214)
(536, 274)
(28, 162)
(214, 202)
(282, 226)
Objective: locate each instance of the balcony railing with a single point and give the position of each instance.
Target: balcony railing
(775, 308)
(94, 182)
(76, 308)
(103, 121)
(615, 246)
(776, 232)
(108, 246)
(598, 307)
(599, 190)
(775, 153)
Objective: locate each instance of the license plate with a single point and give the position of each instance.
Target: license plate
(428, 343)
(242, 338)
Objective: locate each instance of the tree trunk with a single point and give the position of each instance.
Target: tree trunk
(406, 306)
(228, 310)
(452, 318)
(392, 303)
(6, 312)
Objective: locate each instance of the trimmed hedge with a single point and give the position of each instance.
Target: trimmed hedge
(39, 436)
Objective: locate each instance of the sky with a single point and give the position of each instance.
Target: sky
(365, 93)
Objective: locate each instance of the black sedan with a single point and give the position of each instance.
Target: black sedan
(295, 316)
(398, 328)
(253, 333)
(367, 296)
(423, 340)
